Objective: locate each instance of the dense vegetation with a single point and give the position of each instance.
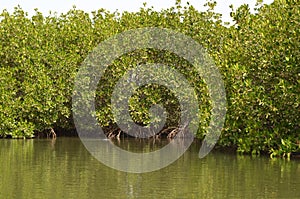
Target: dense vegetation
(258, 58)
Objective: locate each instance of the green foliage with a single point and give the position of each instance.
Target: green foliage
(258, 58)
(261, 62)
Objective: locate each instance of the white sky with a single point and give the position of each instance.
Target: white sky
(60, 6)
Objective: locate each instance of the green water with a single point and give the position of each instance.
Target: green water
(63, 168)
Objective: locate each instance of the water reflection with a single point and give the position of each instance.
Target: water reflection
(65, 169)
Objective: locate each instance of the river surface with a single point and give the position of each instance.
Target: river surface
(63, 168)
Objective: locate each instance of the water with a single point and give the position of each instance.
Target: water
(63, 168)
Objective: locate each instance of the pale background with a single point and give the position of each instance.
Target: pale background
(62, 6)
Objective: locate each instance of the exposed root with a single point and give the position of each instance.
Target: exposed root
(169, 133)
(51, 134)
(172, 134)
(118, 136)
